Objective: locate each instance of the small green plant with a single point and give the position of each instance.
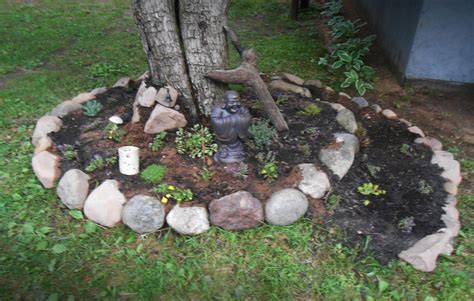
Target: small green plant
(424, 187)
(310, 110)
(454, 150)
(100, 70)
(205, 174)
(158, 141)
(468, 165)
(168, 192)
(370, 189)
(153, 174)
(406, 224)
(282, 99)
(310, 131)
(405, 149)
(373, 170)
(240, 171)
(114, 132)
(92, 108)
(99, 162)
(196, 142)
(305, 149)
(68, 152)
(270, 167)
(261, 134)
(332, 202)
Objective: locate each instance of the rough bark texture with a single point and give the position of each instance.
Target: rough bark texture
(183, 39)
(294, 9)
(247, 74)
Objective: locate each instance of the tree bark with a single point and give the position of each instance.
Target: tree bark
(247, 74)
(294, 9)
(183, 40)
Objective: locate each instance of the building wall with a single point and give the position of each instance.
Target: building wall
(425, 39)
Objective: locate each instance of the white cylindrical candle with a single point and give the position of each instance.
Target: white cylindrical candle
(129, 160)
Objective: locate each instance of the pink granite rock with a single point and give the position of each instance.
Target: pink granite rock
(46, 168)
(162, 119)
(389, 114)
(45, 125)
(83, 97)
(73, 188)
(104, 204)
(44, 144)
(430, 142)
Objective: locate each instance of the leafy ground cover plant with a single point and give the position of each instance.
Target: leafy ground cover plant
(269, 170)
(196, 142)
(261, 134)
(310, 110)
(99, 162)
(92, 108)
(369, 189)
(114, 132)
(153, 174)
(168, 192)
(158, 141)
(68, 151)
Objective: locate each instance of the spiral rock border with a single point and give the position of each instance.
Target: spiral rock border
(107, 206)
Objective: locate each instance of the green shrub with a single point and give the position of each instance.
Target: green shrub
(92, 108)
(99, 163)
(195, 142)
(261, 133)
(153, 174)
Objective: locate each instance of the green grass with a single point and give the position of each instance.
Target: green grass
(57, 49)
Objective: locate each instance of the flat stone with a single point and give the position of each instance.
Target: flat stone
(98, 90)
(341, 97)
(451, 188)
(424, 253)
(389, 114)
(328, 93)
(188, 220)
(65, 108)
(314, 182)
(452, 168)
(314, 86)
(416, 130)
(376, 108)
(44, 144)
(430, 142)
(104, 204)
(45, 125)
(360, 101)
(286, 207)
(347, 120)
(451, 216)
(293, 79)
(286, 87)
(236, 211)
(162, 119)
(145, 75)
(405, 122)
(143, 214)
(83, 97)
(337, 106)
(46, 168)
(124, 82)
(339, 156)
(73, 188)
(163, 99)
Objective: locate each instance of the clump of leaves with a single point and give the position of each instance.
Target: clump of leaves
(92, 108)
(158, 141)
(153, 174)
(406, 224)
(114, 132)
(206, 174)
(332, 202)
(261, 133)
(238, 171)
(168, 192)
(195, 142)
(310, 131)
(305, 149)
(281, 100)
(99, 163)
(405, 149)
(68, 151)
(424, 187)
(310, 110)
(373, 170)
(370, 189)
(270, 167)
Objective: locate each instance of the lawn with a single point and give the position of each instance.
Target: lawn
(52, 50)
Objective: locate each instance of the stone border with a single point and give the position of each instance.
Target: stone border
(107, 206)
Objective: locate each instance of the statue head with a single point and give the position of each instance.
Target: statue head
(232, 101)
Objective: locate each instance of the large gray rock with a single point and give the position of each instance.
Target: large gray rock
(342, 97)
(143, 214)
(293, 79)
(104, 204)
(162, 119)
(188, 220)
(339, 156)
(73, 188)
(314, 182)
(46, 168)
(314, 86)
(45, 125)
(285, 207)
(360, 101)
(337, 106)
(287, 87)
(65, 108)
(347, 120)
(236, 211)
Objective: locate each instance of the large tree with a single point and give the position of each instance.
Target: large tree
(183, 40)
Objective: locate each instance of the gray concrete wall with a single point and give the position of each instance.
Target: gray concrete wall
(425, 39)
(443, 47)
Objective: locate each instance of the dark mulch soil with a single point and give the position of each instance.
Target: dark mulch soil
(374, 226)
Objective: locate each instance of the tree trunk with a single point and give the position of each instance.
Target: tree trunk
(304, 4)
(183, 40)
(294, 8)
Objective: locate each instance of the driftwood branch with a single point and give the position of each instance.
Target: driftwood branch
(247, 74)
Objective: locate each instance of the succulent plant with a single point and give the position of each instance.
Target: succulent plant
(92, 107)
